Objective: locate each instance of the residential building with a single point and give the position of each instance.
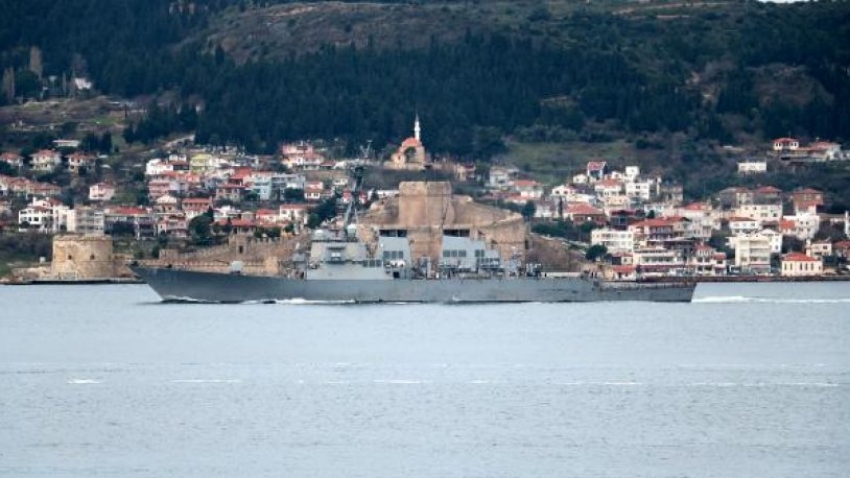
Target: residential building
(14, 160)
(166, 204)
(785, 144)
(584, 213)
(641, 189)
(596, 170)
(46, 160)
(86, 220)
(658, 230)
(743, 225)
(752, 252)
(767, 195)
(802, 226)
(39, 218)
(818, 249)
(656, 261)
(140, 222)
(797, 264)
(229, 192)
(615, 241)
(706, 261)
(79, 161)
(733, 197)
(752, 167)
(501, 177)
(101, 192)
(295, 213)
(761, 213)
(806, 200)
(528, 189)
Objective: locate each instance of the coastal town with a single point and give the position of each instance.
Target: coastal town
(632, 224)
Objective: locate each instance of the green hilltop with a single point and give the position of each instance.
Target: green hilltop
(665, 82)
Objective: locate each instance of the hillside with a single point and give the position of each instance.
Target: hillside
(486, 77)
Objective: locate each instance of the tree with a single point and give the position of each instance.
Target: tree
(200, 230)
(595, 252)
(528, 210)
(324, 211)
(123, 229)
(293, 195)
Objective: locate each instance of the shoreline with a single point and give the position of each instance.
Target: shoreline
(107, 281)
(716, 279)
(705, 279)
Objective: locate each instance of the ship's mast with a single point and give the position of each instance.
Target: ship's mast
(351, 210)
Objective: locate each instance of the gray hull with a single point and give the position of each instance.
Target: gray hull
(174, 284)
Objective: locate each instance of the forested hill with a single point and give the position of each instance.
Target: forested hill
(475, 71)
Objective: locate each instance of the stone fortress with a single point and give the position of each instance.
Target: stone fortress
(79, 258)
(425, 211)
(82, 257)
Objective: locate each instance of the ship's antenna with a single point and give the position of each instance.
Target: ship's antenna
(351, 210)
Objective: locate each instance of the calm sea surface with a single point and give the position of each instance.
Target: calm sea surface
(750, 380)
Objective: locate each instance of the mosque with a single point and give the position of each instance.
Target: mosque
(410, 156)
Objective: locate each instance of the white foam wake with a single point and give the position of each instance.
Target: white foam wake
(723, 299)
(82, 381)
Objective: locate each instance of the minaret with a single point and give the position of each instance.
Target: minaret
(417, 129)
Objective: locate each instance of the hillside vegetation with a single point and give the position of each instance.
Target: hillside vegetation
(477, 72)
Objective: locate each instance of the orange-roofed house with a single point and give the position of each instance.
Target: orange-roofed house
(46, 160)
(267, 216)
(842, 249)
(596, 170)
(101, 192)
(659, 229)
(807, 200)
(797, 264)
(14, 160)
(296, 213)
(528, 189)
(786, 144)
(580, 213)
(79, 160)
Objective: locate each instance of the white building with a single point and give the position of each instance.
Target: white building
(752, 252)
(658, 262)
(157, 166)
(86, 220)
(101, 192)
(642, 189)
(796, 264)
(761, 213)
(786, 144)
(743, 225)
(752, 167)
(802, 226)
(38, 218)
(46, 160)
(613, 240)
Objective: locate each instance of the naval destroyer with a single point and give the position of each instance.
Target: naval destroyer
(341, 268)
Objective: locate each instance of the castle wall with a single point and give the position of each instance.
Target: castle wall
(425, 203)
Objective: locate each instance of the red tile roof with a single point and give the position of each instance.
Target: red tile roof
(798, 257)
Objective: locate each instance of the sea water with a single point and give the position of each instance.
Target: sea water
(749, 380)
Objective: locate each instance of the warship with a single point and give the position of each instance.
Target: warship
(341, 268)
